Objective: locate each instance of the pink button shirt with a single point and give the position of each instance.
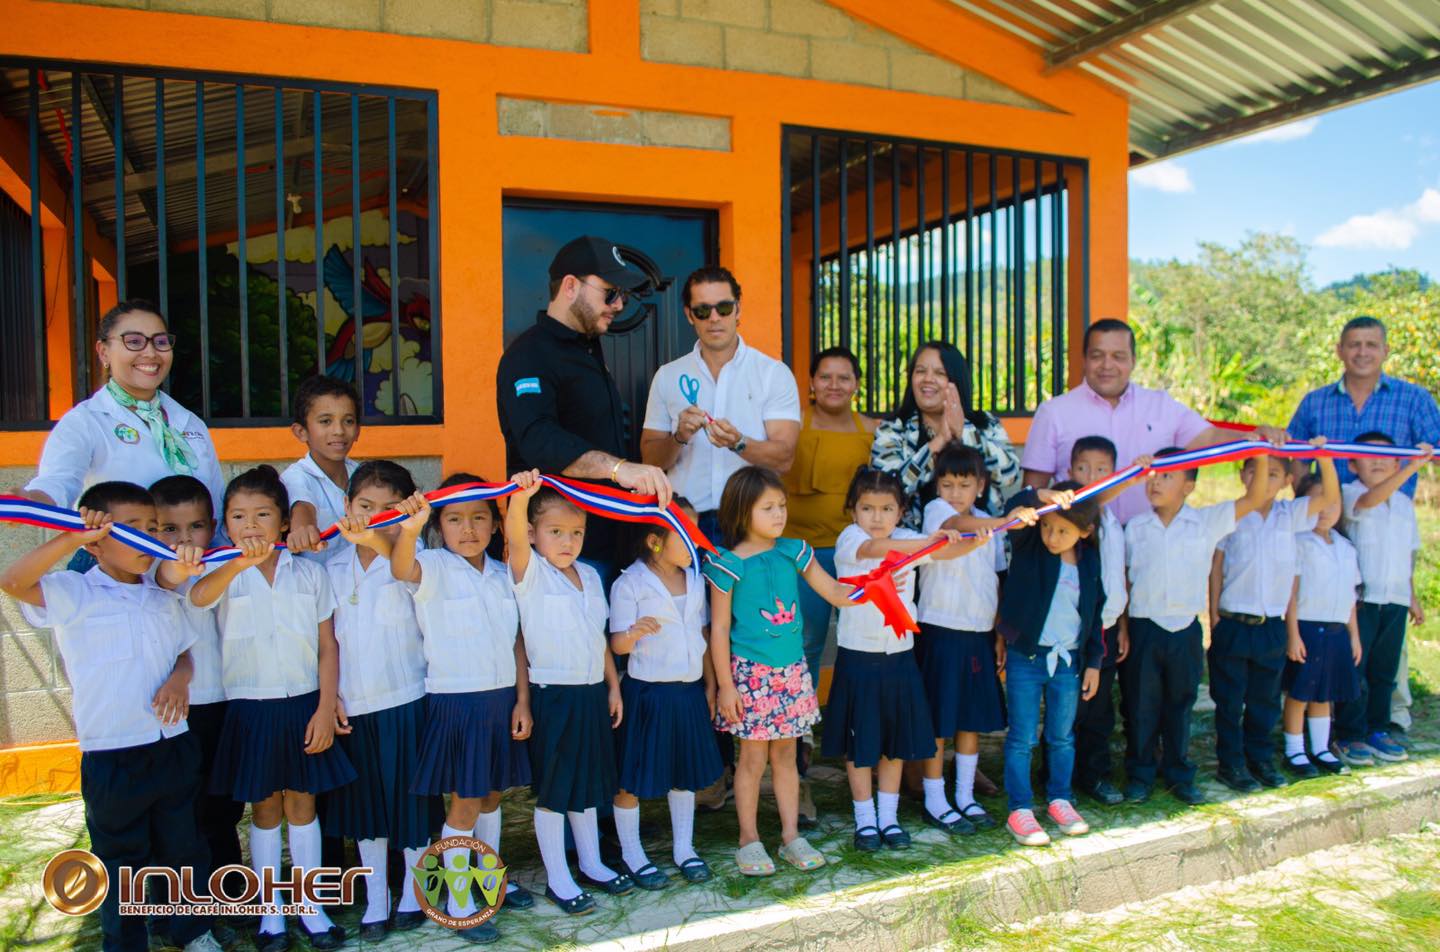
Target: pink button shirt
(1144, 421)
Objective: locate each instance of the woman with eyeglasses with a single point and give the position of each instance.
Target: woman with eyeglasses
(128, 429)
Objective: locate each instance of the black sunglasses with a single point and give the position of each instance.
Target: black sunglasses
(612, 295)
(723, 308)
(136, 341)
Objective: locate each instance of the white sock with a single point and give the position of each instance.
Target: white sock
(550, 834)
(889, 809)
(965, 765)
(1319, 729)
(682, 824)
(408, 902)
(864, 813)
(305, 853)
(461, 905)
(627, 825)
(265, 854)
(487, 829)
(377, 886)
(1294, 744)
(586, 828)
(935, 803)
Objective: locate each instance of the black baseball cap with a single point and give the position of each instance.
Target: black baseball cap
(600, 257)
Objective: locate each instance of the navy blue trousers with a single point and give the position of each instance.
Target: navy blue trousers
(1162, 681)
(1382, 635)
(1246, 664)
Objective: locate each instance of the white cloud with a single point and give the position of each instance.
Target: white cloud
(1286, 133)
(1164, 177)
(1388, 228)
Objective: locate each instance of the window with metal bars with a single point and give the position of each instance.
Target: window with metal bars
(891, 242)
(284, 227)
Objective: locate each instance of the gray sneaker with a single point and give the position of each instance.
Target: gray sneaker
(1355, 753)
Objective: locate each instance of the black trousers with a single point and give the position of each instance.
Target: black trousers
(1246, 664)
(1094, 723)
(1162, 682)
(218, 816)
(140, 811)
(1382, 635)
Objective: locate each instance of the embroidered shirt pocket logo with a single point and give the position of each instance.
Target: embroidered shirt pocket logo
(127, 434)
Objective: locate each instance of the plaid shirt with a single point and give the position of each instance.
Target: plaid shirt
(1403, 411)
(900, 448)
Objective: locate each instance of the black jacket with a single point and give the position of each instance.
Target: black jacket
(1030, 585)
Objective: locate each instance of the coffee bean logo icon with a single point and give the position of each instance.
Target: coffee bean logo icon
(75, 882)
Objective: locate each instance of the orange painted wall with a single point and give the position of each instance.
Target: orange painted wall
(479, 168)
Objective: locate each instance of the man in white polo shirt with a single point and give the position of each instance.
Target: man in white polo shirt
(720, 407)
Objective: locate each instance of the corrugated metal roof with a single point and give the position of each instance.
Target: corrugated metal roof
(1198, 72)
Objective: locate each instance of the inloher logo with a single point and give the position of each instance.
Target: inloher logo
(75, 882)
(431, 874)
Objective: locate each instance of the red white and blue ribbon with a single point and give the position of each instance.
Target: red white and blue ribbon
(604, 501)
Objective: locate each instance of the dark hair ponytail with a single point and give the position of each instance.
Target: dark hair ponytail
(265, 481)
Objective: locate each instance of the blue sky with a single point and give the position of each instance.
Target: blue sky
(1360, 186)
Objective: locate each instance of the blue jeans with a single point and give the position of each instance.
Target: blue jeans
(815, 615)
(1026, 682)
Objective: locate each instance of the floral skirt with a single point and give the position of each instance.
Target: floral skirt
(776, 703)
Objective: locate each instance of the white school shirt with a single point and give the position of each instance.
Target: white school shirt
(1259, 569)
(382, 660)
(1329, 577)
(961, 594)
(200, 624)
(677, 651)
(863, 627)
(1385, 538)
(1169, 566)
(119, 643)
(269, 635)
(1112, 568)
(469, 620)
(564, 626)
(98, 440)
(306, 482)
(752, 388)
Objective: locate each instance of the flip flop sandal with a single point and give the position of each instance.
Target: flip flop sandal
(800, 854)
(754, 861)
(695, 870)
(951, 822)
(977, 817)
(648, 877)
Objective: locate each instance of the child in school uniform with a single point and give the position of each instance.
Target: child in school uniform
(957, 650)
(877, 716)
(280, 666)
(1251, 576)
(1167, 559)
(660, 620)
(382, 687)
(476, 690)
(574, 689)
(126, 655)
(1380, 521)
(1323, 637)
(764, 696)
(327, 422)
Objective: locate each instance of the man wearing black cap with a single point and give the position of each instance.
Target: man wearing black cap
(560, 411)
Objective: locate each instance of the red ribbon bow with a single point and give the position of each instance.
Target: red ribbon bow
(877, 587)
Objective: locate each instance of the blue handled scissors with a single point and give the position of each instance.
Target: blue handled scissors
(690, 390)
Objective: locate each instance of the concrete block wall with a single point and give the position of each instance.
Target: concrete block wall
(598, 123)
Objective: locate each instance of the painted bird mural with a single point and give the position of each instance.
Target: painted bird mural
(414, 301)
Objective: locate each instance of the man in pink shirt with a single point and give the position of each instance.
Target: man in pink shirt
(1136, 419)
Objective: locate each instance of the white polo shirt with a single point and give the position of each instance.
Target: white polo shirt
(677, 651)
(863, 627)
(469, 619)
(564, 626)
(752, 388)
(1169, 566)
(1329, 577)
(961, 594)
(269, 635)
(1385, 537)
(98, 440)
(382, 660)
(1112, 568)
(306, 482)
(119, 643)
(1259, 568)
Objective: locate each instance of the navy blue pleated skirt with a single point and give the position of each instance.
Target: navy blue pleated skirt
(467, 748)
(877, 709)
(572, 749)
(384, 748)
(666, 741)
(1328, 672)
(961, 684)
(262, 750)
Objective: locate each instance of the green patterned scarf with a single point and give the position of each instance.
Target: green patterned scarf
(179, 458)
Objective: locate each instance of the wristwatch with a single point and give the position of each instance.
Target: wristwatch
(739, 446)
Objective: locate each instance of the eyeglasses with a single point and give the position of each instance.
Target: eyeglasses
(612, 295)
(136, 341)
(723, 308)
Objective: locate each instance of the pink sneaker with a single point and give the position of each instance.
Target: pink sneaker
(1064, 816)
(1026, 830)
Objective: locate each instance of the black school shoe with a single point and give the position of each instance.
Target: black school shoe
(332, 938)
(272, 942)
(1238, 779)
(1137, 791)
(482, 934)
(577, 906)
(618, 885)
(1331, 766)
(1103, 791)
(1303, 768)
(1188, 794)
(895, 838)
(518, 897)
(374, 931)
(1269, 777)
(409, 921)
(867, 839)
